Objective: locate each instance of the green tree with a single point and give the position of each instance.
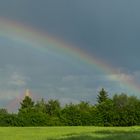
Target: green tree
(53, 107)
(26, 103)
(106, 112)
(31, 117)
(127, 110)
(102, 96)
(3, 111)
(120, 101)
(53, 110)
(121, 110)
(41, 106)
(3, 115)
(71, 115)
(85, 110)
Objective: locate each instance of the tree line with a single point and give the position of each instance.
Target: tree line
(120, 110)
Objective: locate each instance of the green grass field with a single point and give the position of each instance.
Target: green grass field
(70, 133)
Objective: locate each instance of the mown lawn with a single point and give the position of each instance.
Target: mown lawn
(70, 133)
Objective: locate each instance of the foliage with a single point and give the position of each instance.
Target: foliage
(120, 110)
(103, 96)
(26, 103)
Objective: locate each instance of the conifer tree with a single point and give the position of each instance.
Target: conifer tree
(27, 103)
(103, 96)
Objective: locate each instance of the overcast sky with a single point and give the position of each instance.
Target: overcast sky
(109, 29)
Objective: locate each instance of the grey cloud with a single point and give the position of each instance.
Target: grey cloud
(108, 29)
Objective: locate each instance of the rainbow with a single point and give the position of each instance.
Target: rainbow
(36, 39)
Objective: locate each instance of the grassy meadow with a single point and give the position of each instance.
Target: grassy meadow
(70, 133)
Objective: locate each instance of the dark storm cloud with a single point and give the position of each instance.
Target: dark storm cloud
(107, 28)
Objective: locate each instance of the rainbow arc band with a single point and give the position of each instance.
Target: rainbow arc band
(36, 39)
